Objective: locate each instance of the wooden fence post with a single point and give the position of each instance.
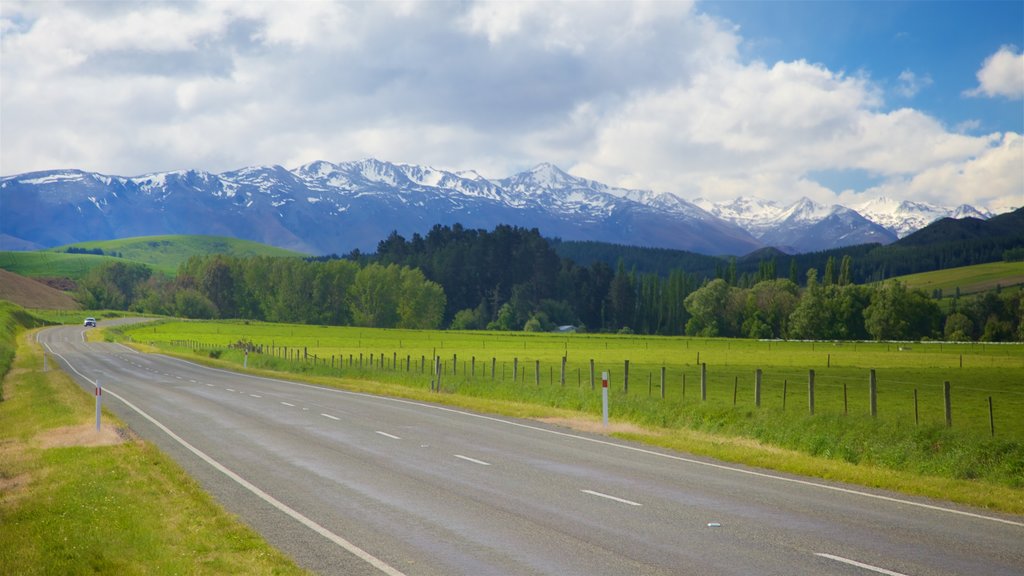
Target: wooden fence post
(662, 382)
(873, 393)
(625, 378)
(704, 382)
(757, 388)
(591, 373)
(917, 416)
(949, 404)
(991, 418)
(810, 390)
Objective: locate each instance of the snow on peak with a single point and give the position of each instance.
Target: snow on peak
(548, 175)
(806, 210)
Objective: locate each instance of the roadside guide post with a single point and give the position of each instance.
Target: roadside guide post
(604, 398)
(99, 401)
(245, 362)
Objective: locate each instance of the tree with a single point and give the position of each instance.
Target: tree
(768, 307)
(421, 302)
(829, 271)
(621, 298)
(217, 284)
(845, 273)
(706, 306)
(898, 314)
(809, 319)
(374, 296)
(113, 285)
(190, 303)
(959, 328)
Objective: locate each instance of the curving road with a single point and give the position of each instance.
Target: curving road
(350, 483)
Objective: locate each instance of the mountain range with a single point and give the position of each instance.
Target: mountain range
(322, 208)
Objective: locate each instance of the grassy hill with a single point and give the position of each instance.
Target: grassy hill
(162, 253)
(51, 265)
(165, 253)
(970, 279)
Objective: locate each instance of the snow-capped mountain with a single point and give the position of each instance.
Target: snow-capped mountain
(323, 207)
(904, 217)
(804, 226)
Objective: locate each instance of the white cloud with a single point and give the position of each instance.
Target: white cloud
(1002, 74)
(910, 84)
(649, 95)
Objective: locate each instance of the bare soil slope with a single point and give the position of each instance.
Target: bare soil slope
(28, 293)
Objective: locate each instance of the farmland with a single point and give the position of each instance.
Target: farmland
(52, 264)
(968, 279)
(162, 253)
(908, 432)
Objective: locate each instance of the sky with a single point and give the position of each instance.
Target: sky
(839, 102)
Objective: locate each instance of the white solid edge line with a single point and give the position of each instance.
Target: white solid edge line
(473, 460)
(859, 564)
(329, 416)
(385, 434)
(287, 404)
(632, 448)
(610, 497)
(342, 542)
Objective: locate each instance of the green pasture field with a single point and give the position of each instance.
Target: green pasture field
(970, 279)
(166, 253)
(51, 264)
(162, 253)
(905, 435)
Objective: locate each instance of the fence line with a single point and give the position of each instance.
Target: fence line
(759, 379)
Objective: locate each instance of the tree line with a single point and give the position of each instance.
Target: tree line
(512, 278)
(334, 292)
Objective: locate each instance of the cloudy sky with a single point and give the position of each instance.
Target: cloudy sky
(830, 100)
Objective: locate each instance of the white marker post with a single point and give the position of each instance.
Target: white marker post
(99, 401)
(245, 362)
(604, 398)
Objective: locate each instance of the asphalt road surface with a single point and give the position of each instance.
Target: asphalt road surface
(351, 483)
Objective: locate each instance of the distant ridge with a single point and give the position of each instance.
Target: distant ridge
(323, 208)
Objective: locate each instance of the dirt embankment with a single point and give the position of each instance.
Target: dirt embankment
(28, 293)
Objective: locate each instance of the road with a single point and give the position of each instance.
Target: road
(350, 483)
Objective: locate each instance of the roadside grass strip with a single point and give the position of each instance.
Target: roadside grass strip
(77, 501)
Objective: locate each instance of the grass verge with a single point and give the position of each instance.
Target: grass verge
(77, 501)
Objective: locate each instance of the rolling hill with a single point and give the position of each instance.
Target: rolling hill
(969, 279)
(166, 253)
(162, 253)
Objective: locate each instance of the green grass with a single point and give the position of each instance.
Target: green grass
(51, 265)
(841, 430)
(115, 509)
(162, 253)
(970, 279)
(166, 253)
